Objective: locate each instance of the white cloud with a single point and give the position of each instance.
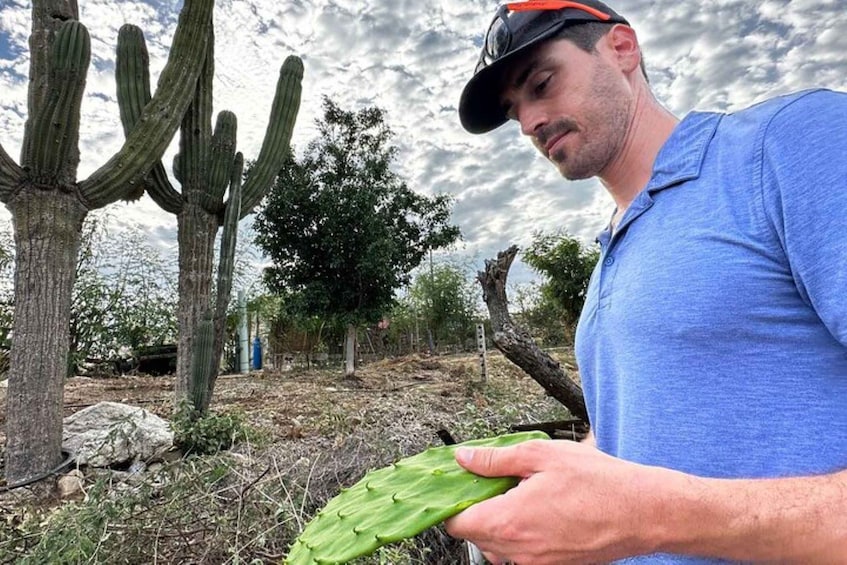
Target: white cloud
(412, 58)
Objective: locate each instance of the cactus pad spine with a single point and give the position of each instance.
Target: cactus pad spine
(398, 502)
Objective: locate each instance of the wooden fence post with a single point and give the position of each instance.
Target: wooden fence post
(480, 345)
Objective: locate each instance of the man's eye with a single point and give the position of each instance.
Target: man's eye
(541, 86)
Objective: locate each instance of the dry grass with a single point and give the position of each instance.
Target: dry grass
(245, 506)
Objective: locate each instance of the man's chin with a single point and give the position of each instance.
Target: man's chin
(571, 174)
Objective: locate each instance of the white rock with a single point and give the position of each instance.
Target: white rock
(110, 433)
(70, 485)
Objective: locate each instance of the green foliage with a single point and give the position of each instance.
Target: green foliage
(540, 315)
(207, 434)
(7, 267)
(123, 296)
(446, 297)
(566, 266)
(121, 523)
(7, 254)
(291, 328)
(342, 229)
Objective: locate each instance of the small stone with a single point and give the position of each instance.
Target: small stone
(70, 486)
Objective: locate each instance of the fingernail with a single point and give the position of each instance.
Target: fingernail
(464, 455)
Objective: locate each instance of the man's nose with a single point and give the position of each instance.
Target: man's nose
(531, 119)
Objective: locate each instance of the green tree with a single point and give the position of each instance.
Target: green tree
(342, 229)
(539, 315)
(566, 265)
(446, 298)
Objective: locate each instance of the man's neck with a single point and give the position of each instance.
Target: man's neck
(628, 174)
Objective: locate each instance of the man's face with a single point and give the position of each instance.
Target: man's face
(574, 105)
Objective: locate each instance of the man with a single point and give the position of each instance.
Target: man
(713, 342)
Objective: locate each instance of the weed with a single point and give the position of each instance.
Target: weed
(207, 434)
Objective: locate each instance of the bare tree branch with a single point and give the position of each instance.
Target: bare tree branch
(516, 343)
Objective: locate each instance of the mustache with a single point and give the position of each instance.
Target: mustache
(559, 127)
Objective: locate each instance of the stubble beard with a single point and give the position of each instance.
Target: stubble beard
(606, 119)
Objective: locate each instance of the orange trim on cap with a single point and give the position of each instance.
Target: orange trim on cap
(555, 5)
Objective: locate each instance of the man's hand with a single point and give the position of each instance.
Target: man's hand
(574, 504)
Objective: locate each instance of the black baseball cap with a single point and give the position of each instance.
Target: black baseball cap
(516, 27)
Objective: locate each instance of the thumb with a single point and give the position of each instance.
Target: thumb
(519, 460)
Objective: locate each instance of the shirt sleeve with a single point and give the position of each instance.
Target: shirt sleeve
(804, 191)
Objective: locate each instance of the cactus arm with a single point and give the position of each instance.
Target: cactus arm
(195, 134)
(275, 146)
(52, 153)
(161, 191)
(222, 159)
(160, 119)
(228, 239)
(47, 17)
(132, 73)
(224, 286)
(10, 175)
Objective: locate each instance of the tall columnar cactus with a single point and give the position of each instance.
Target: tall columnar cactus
(398, 502)
(206, 352)
(202, 168)
(48, 206)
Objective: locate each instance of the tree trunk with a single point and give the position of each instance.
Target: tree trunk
(47, 236)
(350, 350)
(516, 343)
(197, 231)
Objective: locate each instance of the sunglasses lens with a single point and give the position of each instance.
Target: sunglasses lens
(497, 40)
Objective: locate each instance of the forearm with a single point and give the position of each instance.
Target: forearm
(795, 520)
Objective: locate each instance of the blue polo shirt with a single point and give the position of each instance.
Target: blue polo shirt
(714, 334)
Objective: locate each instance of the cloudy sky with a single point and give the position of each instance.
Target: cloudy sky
(412, 59)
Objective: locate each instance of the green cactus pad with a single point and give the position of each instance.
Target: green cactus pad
(398, 502)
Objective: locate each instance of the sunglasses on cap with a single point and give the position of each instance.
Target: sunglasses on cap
(516, 28)
(498, 38)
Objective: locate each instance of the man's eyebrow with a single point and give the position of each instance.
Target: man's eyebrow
(533, 64)
(522, 77)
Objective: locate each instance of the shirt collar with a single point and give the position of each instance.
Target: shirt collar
(680, 159)
(682, 155)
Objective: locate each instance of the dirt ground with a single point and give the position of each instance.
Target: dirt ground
(323, 431)
(289, 405)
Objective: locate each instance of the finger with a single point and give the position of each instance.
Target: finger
(520, 460)
(480, 521)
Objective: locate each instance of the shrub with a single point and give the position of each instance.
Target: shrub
(208, 434)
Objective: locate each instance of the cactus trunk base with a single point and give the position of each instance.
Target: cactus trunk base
(47, 235)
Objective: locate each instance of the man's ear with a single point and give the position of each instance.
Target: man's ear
(624, 47)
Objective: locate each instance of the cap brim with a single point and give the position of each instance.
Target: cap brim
(480, 109)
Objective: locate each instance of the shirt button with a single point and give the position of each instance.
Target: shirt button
(609, 260)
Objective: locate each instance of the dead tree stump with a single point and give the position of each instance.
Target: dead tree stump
(516, 343)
